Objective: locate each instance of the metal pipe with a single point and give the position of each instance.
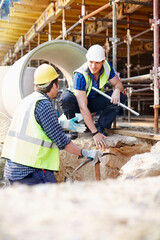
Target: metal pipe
(1, 4)
(97, 11)
(55, 52)
(119, 21)
(128, 42)
(121, 104)
(49, 32)
(83, 24)
(137, 35)
(63, 24)
(156, 64)
(69, 29)
(89, 35)
(140, 34)
(107, 43)
(137, 2)
(128, 53)
(136, 79)
(85, 18)
(141, 90)
(114, 35)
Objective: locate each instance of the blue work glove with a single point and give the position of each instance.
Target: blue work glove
(95, 155)
(71, 125)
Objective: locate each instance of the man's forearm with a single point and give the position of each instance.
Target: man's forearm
(119, 87)
(86, 114)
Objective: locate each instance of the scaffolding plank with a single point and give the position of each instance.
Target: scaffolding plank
(144, 135)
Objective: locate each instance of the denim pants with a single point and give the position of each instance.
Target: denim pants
(108, 110)
(37, 177)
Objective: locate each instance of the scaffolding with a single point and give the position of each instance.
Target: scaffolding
(54, 10)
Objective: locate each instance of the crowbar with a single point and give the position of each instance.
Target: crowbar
(121, 104)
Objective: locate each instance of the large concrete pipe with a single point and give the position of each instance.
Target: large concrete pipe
(18, 81)
(3, 71)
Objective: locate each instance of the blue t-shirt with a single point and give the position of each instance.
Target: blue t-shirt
(79, 82)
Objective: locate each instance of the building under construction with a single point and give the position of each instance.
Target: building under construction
(60, 31)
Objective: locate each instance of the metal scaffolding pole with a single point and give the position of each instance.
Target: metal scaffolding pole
(97, 11)
(107, 43)
(114, 35)
(136, 79)
(38, 43)
(83, 24)
(49, 32)
(156, 23)
(84, 18)
(63, 24)
(128, 42)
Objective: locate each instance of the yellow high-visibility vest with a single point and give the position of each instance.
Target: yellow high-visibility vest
(26, 142)
(103, 78)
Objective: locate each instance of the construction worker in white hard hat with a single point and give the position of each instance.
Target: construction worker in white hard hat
(31, 147)
(96, 72)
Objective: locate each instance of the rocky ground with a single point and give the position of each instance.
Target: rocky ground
(110, 209)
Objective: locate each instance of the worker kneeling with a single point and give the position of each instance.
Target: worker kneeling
(31, 147)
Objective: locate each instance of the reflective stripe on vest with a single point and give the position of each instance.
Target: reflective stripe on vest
(103, 78)
(22, 134)
(26, 143)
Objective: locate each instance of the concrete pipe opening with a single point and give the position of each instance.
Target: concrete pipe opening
(18, 81)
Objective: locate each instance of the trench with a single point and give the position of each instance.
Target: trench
(110, 165)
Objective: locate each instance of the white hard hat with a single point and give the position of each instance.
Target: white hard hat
(95, 53)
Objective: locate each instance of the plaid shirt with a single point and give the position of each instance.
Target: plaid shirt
(45, 115)
(79, 82)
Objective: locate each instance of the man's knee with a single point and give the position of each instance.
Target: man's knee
(67, 101)
(64, 98)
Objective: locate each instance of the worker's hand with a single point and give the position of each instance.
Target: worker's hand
(116, 97)
(99, 140)
(95, 155)
(71, 125)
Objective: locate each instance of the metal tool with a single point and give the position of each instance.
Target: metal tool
(89, 160)
(121, 104)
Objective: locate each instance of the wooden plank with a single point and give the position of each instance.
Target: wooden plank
(21, 20)
(144, 135)
(30, 9)
(42, 3)
(33, 16)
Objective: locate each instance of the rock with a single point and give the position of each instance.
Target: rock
(143, 165)
(111, 209)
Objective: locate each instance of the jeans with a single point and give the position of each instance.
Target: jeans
(37, 177)
(108, 111)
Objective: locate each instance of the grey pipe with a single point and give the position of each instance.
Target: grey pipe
(121, 104)
(18, 81)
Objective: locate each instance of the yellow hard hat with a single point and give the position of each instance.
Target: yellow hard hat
(45, 73)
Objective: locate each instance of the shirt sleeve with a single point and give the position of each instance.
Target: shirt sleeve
(46, 117)
(112, 73)
(79, 82)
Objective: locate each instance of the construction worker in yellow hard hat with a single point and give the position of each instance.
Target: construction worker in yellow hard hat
(31, 148)
(96, 72)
